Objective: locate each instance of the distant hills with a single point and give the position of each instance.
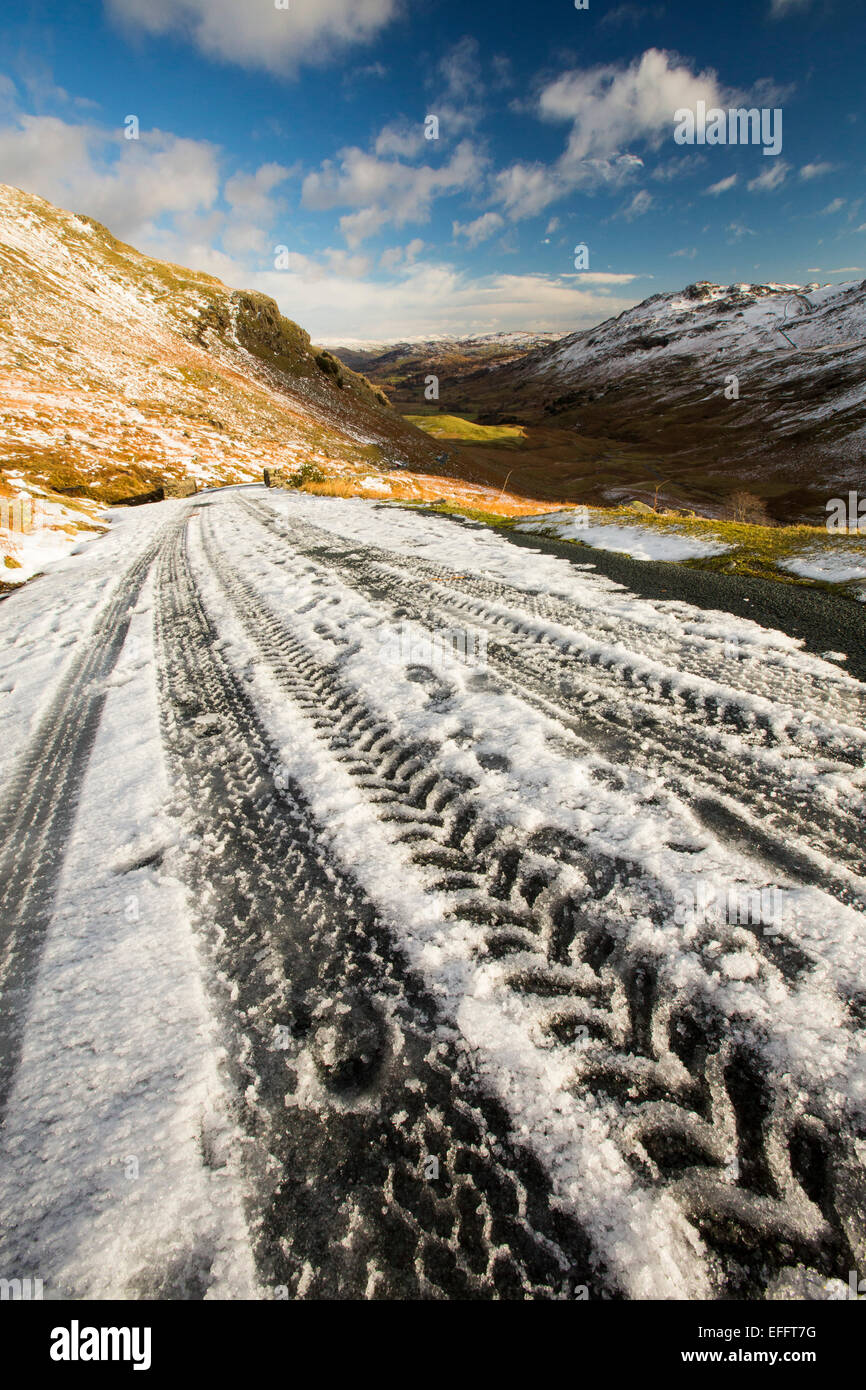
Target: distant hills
(401, 368)
(689, 396)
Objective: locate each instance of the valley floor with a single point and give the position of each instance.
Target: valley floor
(392, 910)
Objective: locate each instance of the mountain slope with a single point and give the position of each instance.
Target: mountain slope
(651, 384)
(122, 374)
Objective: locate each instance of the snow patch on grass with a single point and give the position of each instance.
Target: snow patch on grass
(638, 541)
(832, 566)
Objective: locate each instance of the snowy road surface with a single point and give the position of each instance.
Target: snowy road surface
(389, 911)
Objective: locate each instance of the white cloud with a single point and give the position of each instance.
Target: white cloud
(480, 230)
(527, 189)
(401, 138)
(722, 186)
(250, 193)
(255, 34)
(252, 208)
(163, 194)
(461, 71)
(439, 299)
(640, 203)
(611, 107)
(386, 191)
(394, 256)
(780, 8)
(836, 206)
(127, 184)
(815, 171)
(771, 179)
(688, 253)
(457, 89)
(418, 300)
(342, 262)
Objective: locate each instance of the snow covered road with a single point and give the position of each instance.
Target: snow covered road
(390, 911)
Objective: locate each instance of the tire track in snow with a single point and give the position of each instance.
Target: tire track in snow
(39, 806)
(739, 792)
(351, 1084)
(118, 1096)
(689, 1097)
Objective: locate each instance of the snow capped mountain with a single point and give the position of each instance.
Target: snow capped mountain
(707, 320)
(402, 366)
(765, 384)
(473, 343)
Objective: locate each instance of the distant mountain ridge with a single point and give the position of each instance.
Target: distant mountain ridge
(401, 367)
(764, 384)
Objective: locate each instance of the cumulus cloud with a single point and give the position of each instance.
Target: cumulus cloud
(526, 189)
(393, 256)
(403, 139)
(258, 35)
(610, 107)
(146, 190)
(250, 194)
(437, 298)
(127, 184)
(169, 198)
(480, 230)
(386, 191)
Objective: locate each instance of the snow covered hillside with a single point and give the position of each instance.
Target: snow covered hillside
(750, 386)
(388, 910)
(121, 375)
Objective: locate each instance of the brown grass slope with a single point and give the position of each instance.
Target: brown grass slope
(121, 375)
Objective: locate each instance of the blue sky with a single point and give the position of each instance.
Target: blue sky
(303, 127)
